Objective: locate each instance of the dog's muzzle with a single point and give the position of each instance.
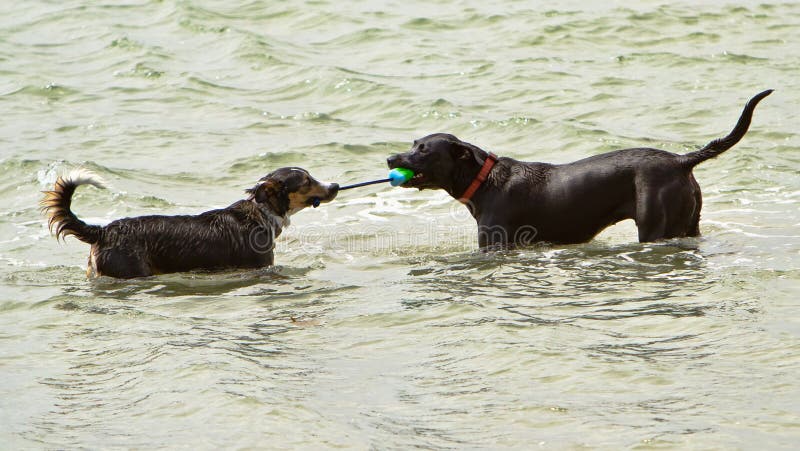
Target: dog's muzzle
(332, 190)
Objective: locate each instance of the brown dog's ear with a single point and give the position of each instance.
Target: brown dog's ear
(264, 190)
(272, 193)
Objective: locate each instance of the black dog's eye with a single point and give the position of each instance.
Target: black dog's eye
(421, 147)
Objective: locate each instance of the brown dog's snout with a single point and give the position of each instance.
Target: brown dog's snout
(331, 190)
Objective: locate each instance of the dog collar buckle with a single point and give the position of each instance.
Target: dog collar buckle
(488, 164)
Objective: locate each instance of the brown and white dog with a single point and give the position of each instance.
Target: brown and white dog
(239, 236)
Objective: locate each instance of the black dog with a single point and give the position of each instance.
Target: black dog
(518, 203)
(239, 236)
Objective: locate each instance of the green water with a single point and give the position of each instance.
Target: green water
(381, 327)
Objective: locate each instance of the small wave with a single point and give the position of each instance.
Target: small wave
(51, 91)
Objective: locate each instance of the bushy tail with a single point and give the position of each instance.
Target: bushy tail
(720, 145)
(56, 205)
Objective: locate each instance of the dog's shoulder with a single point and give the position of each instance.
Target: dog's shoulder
(248, 212)
(511, 171)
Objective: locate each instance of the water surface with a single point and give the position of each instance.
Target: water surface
(381, 326)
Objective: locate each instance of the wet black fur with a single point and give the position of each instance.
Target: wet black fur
(521, 203)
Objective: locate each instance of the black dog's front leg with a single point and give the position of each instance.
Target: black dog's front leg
(493, 235)
(503, 235)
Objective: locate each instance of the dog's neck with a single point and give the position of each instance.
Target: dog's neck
(280, 221)
(464, 174)
(501, 173)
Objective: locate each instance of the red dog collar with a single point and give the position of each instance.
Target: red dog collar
(488, 164)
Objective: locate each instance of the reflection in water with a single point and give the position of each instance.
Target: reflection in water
(194, 283)
(613, 282)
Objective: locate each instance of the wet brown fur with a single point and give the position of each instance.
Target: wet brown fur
(239, 236)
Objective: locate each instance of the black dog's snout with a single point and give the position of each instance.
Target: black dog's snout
(392, 161)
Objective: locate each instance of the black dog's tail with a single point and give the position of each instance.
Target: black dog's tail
(720, 145)
(56, 205)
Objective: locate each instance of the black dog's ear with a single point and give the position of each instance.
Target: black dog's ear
(466, 151)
